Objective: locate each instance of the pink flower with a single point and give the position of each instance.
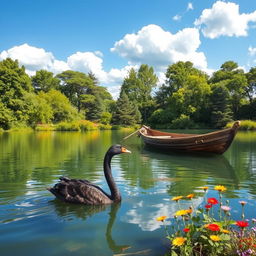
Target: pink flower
(225, 208)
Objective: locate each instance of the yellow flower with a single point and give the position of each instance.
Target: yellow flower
(190, 196)
(204, 188)
(215, 238)
(178, 241)
(161, 218)
(177, 198)
(220, 188)
(225, 231)
(183, 212)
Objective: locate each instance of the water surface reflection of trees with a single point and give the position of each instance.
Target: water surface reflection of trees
(44, 156)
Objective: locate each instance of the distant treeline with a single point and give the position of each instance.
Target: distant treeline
(189, 98)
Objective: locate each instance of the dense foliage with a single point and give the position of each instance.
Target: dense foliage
(188, 98)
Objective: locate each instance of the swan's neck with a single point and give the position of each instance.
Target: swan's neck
(115, 194)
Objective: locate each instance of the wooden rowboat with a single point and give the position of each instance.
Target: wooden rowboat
(213, 142)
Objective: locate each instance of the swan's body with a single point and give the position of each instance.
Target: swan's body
(84, 192)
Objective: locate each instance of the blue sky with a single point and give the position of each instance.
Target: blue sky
(110, 37)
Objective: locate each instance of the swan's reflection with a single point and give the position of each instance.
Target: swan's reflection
(71, 211)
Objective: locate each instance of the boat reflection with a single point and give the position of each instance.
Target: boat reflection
(215, 165)
(73, 211)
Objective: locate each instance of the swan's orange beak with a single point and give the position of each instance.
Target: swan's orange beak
(124, 150)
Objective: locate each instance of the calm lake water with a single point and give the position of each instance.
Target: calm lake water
(32, 222)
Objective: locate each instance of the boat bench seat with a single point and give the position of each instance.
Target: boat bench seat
(160, 137)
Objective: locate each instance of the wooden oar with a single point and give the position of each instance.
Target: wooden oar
(130, 135)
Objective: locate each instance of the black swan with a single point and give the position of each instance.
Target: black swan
(84, 192)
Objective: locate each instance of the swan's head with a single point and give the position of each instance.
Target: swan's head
(117, 149)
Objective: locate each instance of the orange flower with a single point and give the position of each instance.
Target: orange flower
(190, 196)
(189, 211)
(204, 188)
(161, 218)
(177, 198)
(225, 231)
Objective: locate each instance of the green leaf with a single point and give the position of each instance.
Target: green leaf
(195, 218)
(204, 237)
(225, 237)
(174, 253)
(211, 242)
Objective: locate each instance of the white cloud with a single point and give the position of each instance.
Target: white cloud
(224, 19)
(34, 59)
(31, 57)
(252, 51)
(176, 17)
(159, 48)
(86, 62)
(190, 7)
(59, 66)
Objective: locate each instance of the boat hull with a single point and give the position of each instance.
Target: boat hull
(215, 142)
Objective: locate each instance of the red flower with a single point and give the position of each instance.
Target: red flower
(213, 227)
(212, 200)
(208, 206)
(186, 230)
(242, 224)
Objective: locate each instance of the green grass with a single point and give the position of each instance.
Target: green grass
(245, 125)
(78, 126)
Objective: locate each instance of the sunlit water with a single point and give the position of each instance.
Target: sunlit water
(32, 222)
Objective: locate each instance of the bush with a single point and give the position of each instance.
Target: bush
(86, 125)
(105, 117)
(64, 126)
(182, 122)
(104, 126)
(45, 127)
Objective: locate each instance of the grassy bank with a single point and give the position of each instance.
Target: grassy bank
(245, 125)
(79, 126)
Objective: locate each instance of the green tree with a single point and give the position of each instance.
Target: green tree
(62, 110)
(185, 96)
(37, 109)
(138, 87)
(44, 81)
(6, 117)
(236, 82)
(125, 113)
(95, 109)
(251, 84)
(14, 84)
(74, 85)
(220, 106)
(177, 76)
(105, 118)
